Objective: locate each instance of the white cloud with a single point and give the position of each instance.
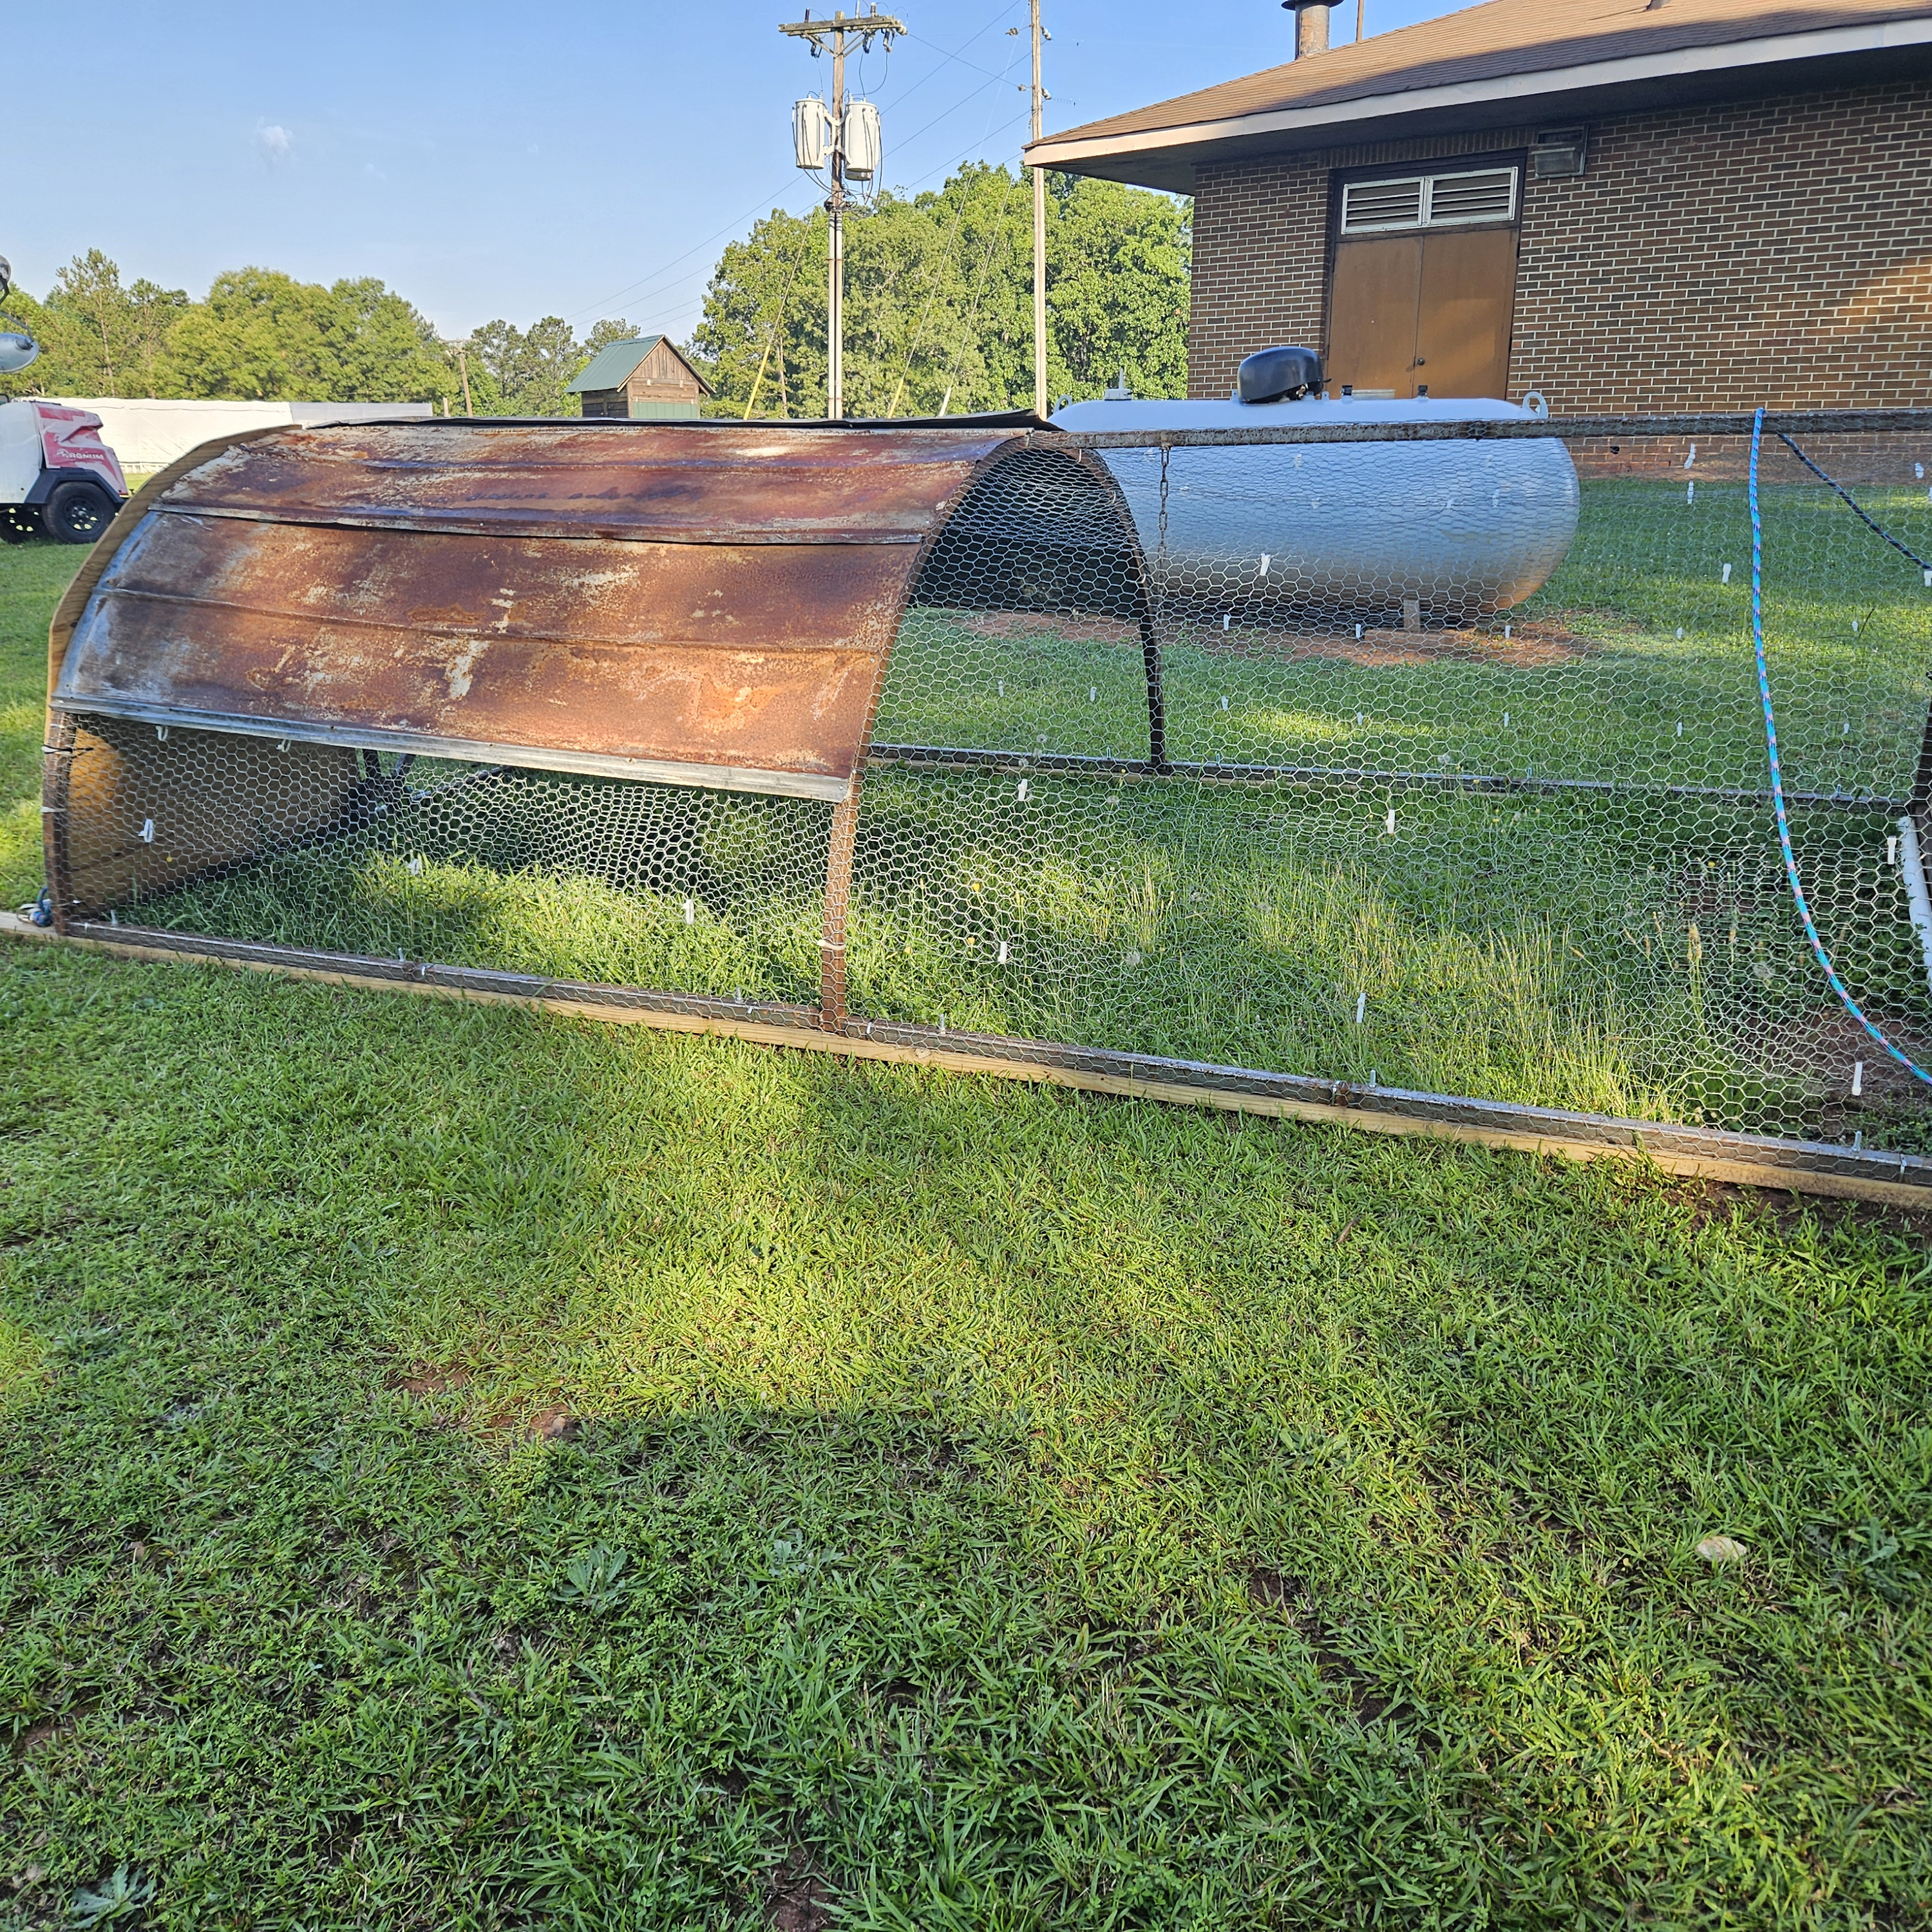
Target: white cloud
(274, 140)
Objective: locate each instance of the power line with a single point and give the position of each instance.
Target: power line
(697, 301)
(731, 228)
(644, 283)
(978, 33)
(956, 57)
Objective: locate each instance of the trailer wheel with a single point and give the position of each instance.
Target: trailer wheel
(16, 525)
(76, 512)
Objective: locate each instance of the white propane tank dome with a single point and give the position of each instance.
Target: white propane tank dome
(862, 141)
(1458, 527)
(812, 134)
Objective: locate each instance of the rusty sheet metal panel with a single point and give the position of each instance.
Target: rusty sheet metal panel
(667, 483)
(710, 606)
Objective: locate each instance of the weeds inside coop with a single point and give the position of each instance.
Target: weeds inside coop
(1431, 825)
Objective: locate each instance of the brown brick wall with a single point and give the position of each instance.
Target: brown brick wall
(1715, 257)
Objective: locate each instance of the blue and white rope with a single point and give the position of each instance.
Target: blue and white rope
(1823, 958)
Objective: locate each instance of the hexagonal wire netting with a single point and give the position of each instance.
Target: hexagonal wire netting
(1434, 766)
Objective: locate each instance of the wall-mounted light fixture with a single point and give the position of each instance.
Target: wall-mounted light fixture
(1558, 151)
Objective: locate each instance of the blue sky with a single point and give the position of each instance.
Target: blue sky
(492, 160)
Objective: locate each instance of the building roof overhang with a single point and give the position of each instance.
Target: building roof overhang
(1577, 77)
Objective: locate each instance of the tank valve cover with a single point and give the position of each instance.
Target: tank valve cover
(1278, 375)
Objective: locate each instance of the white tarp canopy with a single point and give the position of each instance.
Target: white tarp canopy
(149, 434)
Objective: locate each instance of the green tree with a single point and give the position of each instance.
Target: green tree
(261, 333)
(24, 313)
(387, 350)
(1117, 265)
(97, 337)
(938, 301)
(523, 372)
(763, 335)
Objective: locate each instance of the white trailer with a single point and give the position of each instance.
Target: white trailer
(56, 475)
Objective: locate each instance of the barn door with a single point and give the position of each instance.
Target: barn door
(1423, 291)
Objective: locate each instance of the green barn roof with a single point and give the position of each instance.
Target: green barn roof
(614, 365)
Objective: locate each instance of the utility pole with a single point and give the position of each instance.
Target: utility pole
(864, 28)
(1040, 34)
(463, 362)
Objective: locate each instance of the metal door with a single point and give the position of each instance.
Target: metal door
(1374, 313)
(1468, 302)
(1408, 313)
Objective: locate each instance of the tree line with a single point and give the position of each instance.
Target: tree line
(939, 300)
(938, 318)
(260, 334)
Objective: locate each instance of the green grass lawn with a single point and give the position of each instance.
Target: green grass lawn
(471, 1469)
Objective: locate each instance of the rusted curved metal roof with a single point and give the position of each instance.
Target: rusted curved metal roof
(709, 604)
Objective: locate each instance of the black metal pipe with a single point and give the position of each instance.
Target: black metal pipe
(1156, 757)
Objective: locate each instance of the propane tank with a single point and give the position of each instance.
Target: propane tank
(1378, 532)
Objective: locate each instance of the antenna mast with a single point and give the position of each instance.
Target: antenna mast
(864, 28)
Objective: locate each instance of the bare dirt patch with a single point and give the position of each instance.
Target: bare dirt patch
(1529, 646)
(430, 1378)
(1826, 1045)
(1535, 644)
(796, 1899)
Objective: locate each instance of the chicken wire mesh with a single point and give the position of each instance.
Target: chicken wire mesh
(1436, 767)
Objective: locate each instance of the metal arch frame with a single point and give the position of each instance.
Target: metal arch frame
(878, 614)
(844, 842)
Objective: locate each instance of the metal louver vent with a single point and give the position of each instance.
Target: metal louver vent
(1488, 196)
(1428, 201)
(1382, 204)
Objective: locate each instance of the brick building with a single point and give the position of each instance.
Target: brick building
(1627, 205)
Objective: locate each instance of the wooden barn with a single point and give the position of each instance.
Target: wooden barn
(645, 376)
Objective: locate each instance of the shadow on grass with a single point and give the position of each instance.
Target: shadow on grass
(969, 1505)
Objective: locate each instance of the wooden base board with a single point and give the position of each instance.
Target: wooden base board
(1749, 1161)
